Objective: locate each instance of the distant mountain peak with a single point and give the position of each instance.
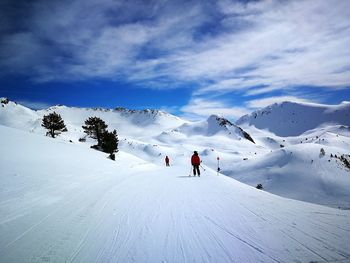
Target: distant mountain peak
(55, 107)
(214, 125)
(221, 121)
(224, 122)
(144, 111)
(294, 118)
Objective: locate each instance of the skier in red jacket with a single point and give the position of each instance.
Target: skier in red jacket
(167, 161)
(195, 161)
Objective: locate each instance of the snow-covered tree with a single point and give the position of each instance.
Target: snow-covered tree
(95, 127)
(54, 123)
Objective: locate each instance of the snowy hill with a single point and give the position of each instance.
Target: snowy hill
(17, 116)
(63, 202)
(295, 134)
(293, 119)
(127, 122)
(298, 172)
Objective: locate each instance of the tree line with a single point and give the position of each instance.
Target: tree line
(94, 127)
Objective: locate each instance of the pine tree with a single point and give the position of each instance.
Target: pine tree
(259, 186)
(54, 123)
(322, 152)
(95, 127)
(110, 143)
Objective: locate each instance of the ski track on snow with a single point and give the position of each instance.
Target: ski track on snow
(135, 233)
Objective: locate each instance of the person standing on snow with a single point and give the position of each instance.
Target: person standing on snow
(195, 161)
(167, 161)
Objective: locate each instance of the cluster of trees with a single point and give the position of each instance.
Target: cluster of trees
(95, 127)
(107, 141)
(5, 101)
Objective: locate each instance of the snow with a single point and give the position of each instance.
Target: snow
(27, 117)
(293, 119)
(61, 201)
(214, 125)
(131, 123)
(298, 172)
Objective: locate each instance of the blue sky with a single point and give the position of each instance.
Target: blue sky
(191, 58)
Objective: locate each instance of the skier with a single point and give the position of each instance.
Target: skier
(167, 161)
(195, 161)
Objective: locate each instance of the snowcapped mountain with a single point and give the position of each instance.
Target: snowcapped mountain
(17, 116)
(127, 122)
(152, 134)
(212, 126)
(293, 119)
(293, 135)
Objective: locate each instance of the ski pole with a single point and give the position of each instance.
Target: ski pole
(202, 167)
(190, 171)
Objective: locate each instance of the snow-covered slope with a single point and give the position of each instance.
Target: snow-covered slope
(251, 155)
(130, 123)
(298, 172)
(17, 116)
(63, 202)
(293, 119)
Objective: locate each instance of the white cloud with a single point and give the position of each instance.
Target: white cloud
(260, 46)
(299, 43)
(108, 53)
(21, 51)
(199, 108)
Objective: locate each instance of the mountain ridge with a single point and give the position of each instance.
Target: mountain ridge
(292, 118)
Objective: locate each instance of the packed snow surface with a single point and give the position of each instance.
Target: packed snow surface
(61, 202)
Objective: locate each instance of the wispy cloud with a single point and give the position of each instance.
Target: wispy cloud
(297, 43)
(197, 108)
(252, 47)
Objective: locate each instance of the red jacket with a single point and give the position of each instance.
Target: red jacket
(195, 160)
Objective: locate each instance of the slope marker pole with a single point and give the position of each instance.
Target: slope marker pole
(218, 170)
